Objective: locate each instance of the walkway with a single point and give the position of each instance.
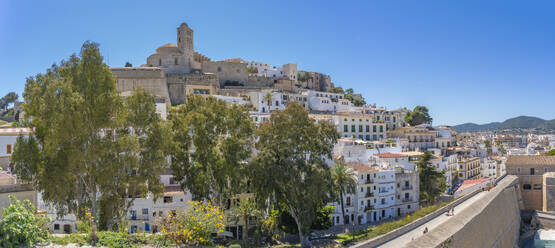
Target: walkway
(433, 223)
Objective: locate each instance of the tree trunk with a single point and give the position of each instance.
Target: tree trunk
(93, 237)
(246, 220)
(342, 211)
(304, 241)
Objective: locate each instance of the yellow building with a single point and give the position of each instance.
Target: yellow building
(469, 168)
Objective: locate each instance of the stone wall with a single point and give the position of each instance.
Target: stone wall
(494, 221)
(20, 191)
(177, 85)
(230, 72)
(150, 78)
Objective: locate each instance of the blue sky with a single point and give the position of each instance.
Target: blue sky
(468, 61)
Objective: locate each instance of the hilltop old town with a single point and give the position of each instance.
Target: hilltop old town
(280, 155)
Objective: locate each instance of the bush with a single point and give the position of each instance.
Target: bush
(74, 238)
(21, 226)
(194, 226)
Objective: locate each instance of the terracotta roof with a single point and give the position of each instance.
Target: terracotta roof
(532, 160)
(468, 183)
(391, 155)
(361, 167)
(168, 45)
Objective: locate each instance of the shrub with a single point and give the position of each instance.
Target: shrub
(195, 225)
(74, 238)
(21, 226)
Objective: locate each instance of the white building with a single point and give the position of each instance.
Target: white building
(8, 137)
(359, 126)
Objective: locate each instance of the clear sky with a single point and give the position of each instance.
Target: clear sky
(468, 61)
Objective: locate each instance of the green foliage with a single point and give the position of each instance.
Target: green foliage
(323, 219)
(290, 168)
(7, 99)
(222, 137)
(550, 153)
(74, 238)
(82, 139)
(127, 64)
(419, 115)
(384, 228)
(344, 180)
(245, 209)
(194, 226)
(432, 182)
(303, 76)
(271, 226)
(21, 226)
(336, 90)
(357, 101)
(252, 70)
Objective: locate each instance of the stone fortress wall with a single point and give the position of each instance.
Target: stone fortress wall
(494, 221)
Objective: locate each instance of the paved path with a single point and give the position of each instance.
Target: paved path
(433, 223)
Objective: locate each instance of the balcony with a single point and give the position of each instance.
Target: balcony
(407, 199)
(407, 187)
(368, 208)
(369, 194)
(369, 181)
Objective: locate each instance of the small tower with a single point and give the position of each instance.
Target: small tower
(185, 38)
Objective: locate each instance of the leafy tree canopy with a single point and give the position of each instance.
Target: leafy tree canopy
(550, 153)
(419, 115)
(432, 182)
(102, 149)
(290, 167)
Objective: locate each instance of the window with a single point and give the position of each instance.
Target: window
(360, 128)
(383, 200)
(175, 61)
(373, 128)
(367, 137)
(345, 128)
(367, 128)
(172, 180)
(381, 128)
(145, 211)
(526, 186)
(406, 195)
(353, 128)
(518, 170)
(159, 62)
(408, 206)
(277, 103)
(537, 186)
(56, 226)
(532, 171)
(348, 201)
(219, 69)
(545, 169)
(9, 148)
(168, 199)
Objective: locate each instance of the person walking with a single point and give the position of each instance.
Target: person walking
(453, 210)
(425, 230)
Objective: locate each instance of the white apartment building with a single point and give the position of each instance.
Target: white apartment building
(359, 126)
(490, 168)
(374, 199)
(8, 137)
(351, 150)
(261, 104)
(327, 102)
(259, 69)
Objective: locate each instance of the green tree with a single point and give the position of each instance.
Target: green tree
(88, 139)
(323, 218)
(419, 115)
(432, 182)
(21, 226)
(243, 210)
(357, 101)
(550, 153)
(336, 90)
(290, 167)
(9, 98)
(268, 99)
(212, 142)
(344, 181)
(127, 64)
(270, 225)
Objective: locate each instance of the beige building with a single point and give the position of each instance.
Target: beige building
(9, 186)
(469, 168)
(420, 138)
(530, 170)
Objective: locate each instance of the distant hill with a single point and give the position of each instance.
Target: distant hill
(521, 122)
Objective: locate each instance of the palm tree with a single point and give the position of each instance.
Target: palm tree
(344, 180)
(245, 209)
(268, 99)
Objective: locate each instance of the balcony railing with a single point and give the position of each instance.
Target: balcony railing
(407, 199)
(369, 181)
(368, 208)
(369, 194)
(407, 187)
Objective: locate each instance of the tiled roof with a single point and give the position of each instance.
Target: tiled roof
(532, 160)
(468, 183)
(361, 167)
(391, 155)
